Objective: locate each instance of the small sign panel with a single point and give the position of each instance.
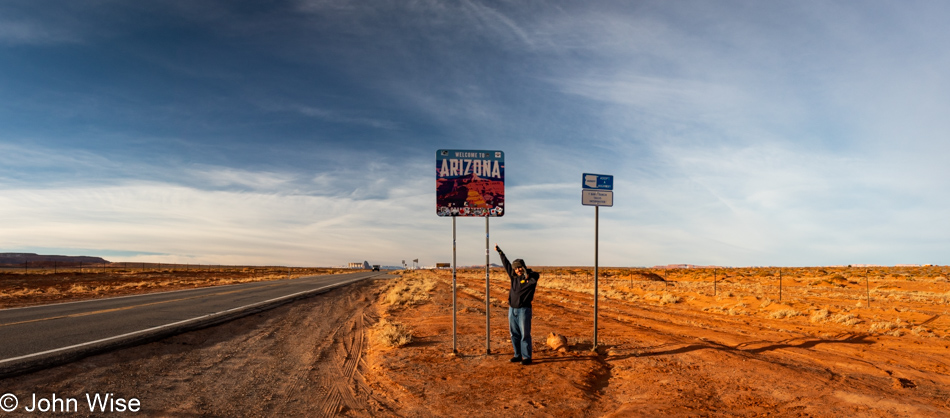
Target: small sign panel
(469, 183)
(597, 197)
(597, 181)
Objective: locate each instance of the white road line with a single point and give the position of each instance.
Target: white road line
(56, 350)
(153, 293)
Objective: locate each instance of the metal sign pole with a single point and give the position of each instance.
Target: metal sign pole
(454, 307)
(455, 170)
(596, 265)
(487, 296)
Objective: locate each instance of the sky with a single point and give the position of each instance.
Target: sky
(304, 133)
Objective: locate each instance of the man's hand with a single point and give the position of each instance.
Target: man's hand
(496, 248)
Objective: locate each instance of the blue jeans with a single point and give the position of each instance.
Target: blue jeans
(519, 324)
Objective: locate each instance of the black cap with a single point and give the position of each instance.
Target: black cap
(518, 263)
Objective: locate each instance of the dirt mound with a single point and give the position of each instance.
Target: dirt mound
(649, 276)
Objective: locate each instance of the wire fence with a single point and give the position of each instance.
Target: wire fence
(870, 286)
(924, 284)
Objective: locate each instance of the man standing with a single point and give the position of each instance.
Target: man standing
(523, 283)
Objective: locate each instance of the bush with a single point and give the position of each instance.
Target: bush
(670, 298)
(819, 316)
(882, 327)
(785, 313)
(392, 334)
(846, 319)
(409, 292)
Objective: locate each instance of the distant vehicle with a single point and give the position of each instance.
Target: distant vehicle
(375, 267)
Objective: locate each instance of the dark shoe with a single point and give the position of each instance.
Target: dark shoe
(515, 359)
(526, 362)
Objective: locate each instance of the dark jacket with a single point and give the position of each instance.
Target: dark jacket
(522, 287)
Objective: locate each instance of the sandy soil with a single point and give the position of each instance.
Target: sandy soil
(739, 352)
(665, 359)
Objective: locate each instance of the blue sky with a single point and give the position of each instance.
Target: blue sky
(304, 132)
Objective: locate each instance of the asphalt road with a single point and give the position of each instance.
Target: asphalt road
(36, 337)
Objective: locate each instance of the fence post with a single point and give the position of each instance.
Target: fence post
(780, 285)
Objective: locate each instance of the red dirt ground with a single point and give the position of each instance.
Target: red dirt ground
(664, 349)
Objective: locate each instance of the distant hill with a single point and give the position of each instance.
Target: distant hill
(20, 258)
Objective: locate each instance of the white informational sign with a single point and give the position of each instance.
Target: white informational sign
(593, 197)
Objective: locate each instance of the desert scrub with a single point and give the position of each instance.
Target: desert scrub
(668, 298)
(716, 309)
(724, 295)
(391, 334)
(663, 299)
(882, 327)
(617, 295)
(409, 291)
(922, 332)
(819, 316)
(784, 313)
(846, 319)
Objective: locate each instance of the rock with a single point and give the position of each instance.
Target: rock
(557, 342)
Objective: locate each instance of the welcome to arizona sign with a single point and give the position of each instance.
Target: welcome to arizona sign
(469, 183)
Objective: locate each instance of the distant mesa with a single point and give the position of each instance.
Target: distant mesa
(18, 259)
(685, 266)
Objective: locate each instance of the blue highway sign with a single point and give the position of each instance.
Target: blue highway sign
(597, 181)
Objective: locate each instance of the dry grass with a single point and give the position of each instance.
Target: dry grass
(846, 319)
(410, 289)
(883, 327)
(391, 334)
(819, 316)
(855, 298)
(784, 313)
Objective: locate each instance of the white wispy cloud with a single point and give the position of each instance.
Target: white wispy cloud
(202, 226)
(16, 32)
(337, 117)
(217, 177)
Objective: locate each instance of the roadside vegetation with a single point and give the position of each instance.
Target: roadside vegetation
(404, 291)
(885, 301)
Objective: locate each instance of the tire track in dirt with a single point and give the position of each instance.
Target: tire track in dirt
(340, 381)
(300, 359)
(745, 364)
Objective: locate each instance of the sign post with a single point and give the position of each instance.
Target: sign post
(470, 183)
(487, 294)
(597, 191)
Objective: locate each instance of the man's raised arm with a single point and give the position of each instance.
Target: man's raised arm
(504, 261)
